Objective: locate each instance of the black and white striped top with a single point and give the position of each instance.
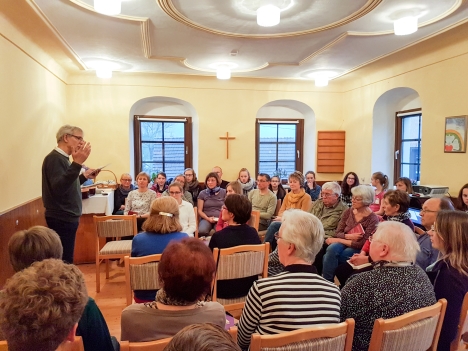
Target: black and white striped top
(297, 298)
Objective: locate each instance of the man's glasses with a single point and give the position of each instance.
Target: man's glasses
(76, 137)
(174, 192)
(125, 180)
(425, 210)
(327, 195)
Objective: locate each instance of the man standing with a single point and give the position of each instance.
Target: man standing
(263, 200)
(61, 179)
(428, 255)
(219, 172)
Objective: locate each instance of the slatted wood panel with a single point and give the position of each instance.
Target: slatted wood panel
(331, 151)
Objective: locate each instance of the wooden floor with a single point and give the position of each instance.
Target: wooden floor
(111, 300)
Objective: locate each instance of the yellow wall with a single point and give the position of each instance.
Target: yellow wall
(438, 70)
(33, 107)
(37, 96)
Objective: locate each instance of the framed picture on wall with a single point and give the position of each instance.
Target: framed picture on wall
(455, 134)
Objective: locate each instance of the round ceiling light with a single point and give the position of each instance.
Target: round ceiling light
(223, 69)
(108, 7)
(405, 25)
(268, 15)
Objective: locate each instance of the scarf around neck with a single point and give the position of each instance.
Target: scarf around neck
(193, 185)
(294, 198)
(246, 187)
(400, 217)
(213, 191)
(125, 192)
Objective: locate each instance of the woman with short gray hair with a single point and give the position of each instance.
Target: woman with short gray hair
(393, 287)
(355, 227)
(277, 304)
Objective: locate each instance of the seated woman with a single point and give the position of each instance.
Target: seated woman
(121, 193)
(186, 214)
(40, 243)
(462, 200)
(350, 180)
(311, 186)
(277, 188)
(394, 287)
(139, 200)
(380, 182)
(277, 304)
(404, 184)
(236, 212)
(160, 228)
(355, 227)
(185, 271)
(186, 196)
(209, 205)
(159, 185)
(193, 186)
(297, 198)
(449, 274)
(395, 204)
(231, 188)
(246, 182)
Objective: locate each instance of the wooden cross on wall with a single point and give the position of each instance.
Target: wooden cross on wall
(227, 138)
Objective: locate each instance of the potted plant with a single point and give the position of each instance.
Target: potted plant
(282, 174)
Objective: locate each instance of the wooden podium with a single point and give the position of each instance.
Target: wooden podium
(85, 242)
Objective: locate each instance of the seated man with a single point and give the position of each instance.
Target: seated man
(55, 296)
(329, 210)
(39, 243)
(263, 200)
(219, 172)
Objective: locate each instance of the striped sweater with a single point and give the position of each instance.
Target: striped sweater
(297, 298)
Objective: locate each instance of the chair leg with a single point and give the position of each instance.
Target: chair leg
(107, 269)
(98, 276)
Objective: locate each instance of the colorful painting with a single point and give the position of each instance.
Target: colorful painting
(455, 134)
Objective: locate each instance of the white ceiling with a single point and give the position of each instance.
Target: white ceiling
(189, 36)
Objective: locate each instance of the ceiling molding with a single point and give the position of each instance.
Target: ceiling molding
(185, 62)
(168, 7)
(54, 30)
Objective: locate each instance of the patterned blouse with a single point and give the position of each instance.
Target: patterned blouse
(139, 202)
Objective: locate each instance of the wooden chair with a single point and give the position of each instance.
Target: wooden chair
(239, 262)
(336, 337)
(233, 332)
(113, 227)
(254, 220)
(415, 330)
(141, 273)
(157, 345)
(76, 345)
(278, 206)
(460, 343)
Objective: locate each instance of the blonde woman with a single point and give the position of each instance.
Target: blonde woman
(139, 200)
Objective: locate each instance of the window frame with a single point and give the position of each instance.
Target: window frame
(188, 141)
(397, 160)
(299, 139)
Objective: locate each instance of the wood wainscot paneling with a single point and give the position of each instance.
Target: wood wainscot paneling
(21, 217)
(331, 151)
(85, 242)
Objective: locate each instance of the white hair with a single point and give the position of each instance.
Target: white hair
(333, 186)
(305, 231)
(402, 242)
(66, 129)
(366, 192)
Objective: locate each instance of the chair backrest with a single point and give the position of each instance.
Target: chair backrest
(115, 226)
(195, 209)
(254, 220)
(157, 345)
(459, 341)
(141, 273)
(240, 262)
(278, 206)
(336, 337)
(415, 330)
(233, 332)
(76, 345)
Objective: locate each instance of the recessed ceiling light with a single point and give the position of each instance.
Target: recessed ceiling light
(405, 25)
(108, 7)
(223, 69)
(268, 15)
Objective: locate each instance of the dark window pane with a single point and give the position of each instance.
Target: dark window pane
(267, 152)
(174, 152)
(151, 131)
(173, 169)
(151, 152)
(267, 167)
(289, 167)
(268, 132)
